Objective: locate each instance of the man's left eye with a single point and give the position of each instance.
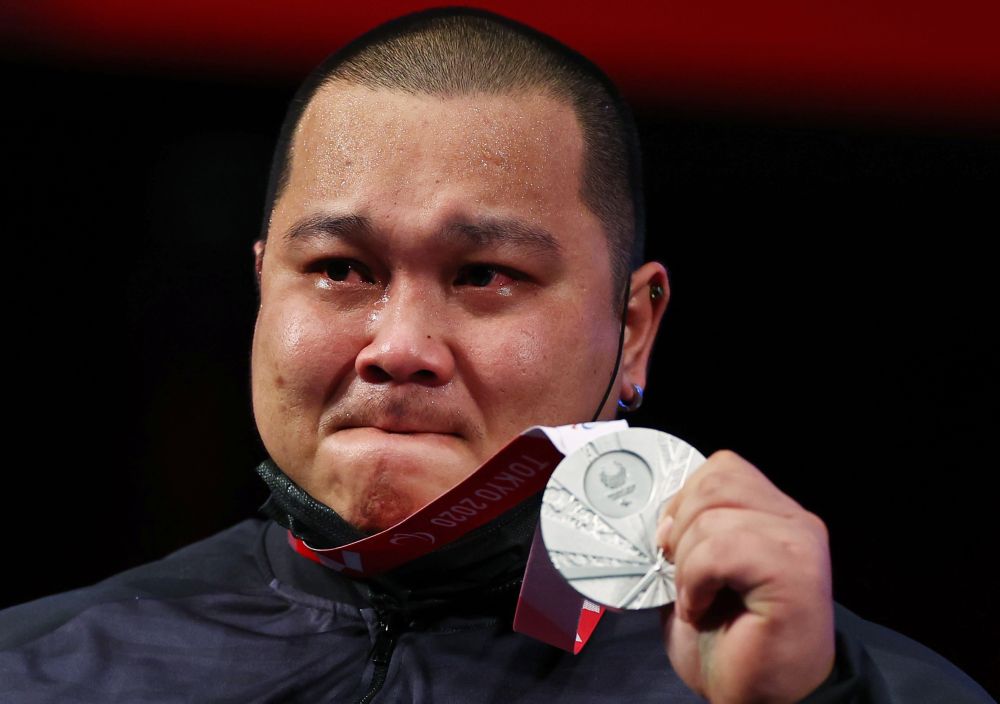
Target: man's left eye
(478, 275)
(341, 270)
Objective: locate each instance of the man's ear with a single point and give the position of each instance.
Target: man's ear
(647, 303)
(258, 257)
(258, 268)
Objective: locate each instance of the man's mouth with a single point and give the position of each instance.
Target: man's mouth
(398, 418)
(400, 429)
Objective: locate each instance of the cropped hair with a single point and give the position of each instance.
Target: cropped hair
(450, 52)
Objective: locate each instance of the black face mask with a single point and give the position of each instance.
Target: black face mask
(487, 562)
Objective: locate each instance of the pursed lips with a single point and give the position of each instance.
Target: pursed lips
(396, 417)
(400, 429)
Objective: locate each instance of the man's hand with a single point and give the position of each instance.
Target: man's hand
(753, 619)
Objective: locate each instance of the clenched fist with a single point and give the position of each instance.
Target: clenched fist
(753, 620)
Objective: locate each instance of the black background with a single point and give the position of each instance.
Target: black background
(832, 319)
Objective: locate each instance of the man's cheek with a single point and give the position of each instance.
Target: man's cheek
(530, 353)
(519, 370)
(309, 355)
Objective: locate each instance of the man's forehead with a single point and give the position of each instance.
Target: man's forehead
(413, 166)
(358, 128)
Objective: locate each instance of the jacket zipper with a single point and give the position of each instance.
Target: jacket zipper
(385, 642)
(386, 631)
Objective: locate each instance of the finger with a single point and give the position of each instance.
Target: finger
(678, 637)
(726, 480)
(777, 563)
(732, 479)
(716, 563)
(663, 532)
(717, 461)
(723, 522)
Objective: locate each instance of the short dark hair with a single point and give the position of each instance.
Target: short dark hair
(460, 51)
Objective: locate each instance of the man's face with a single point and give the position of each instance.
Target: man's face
(431, 286)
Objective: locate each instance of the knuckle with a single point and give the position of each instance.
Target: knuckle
(811, 569)
(707, 523)
(713, 485)
(725, 457)
(816, 526)
(733, 466)
(717, 550)
(799, 550)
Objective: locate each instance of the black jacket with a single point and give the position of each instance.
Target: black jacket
(239, 617)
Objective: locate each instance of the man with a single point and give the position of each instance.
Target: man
(453, 254)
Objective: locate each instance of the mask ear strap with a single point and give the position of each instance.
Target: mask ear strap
(618, 357)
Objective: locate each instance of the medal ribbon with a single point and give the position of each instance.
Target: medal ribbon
(548, 608)
(518, 471)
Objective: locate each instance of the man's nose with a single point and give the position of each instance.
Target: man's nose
(407, 345)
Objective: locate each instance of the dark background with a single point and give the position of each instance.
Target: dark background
(832, 319)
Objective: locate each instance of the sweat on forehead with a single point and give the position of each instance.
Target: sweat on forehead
(348, 133)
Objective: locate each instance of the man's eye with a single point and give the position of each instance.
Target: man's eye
(340, 270)
(479, 275)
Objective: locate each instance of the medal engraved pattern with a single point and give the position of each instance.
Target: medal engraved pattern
(600, 511)
(559, 505)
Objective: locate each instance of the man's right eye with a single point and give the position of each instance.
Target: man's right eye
(342, 270)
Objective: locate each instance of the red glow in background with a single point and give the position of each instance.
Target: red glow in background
(909, 60)
(821, 181)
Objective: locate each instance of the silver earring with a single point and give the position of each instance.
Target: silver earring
(635, 402)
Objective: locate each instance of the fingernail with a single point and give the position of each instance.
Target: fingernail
(663, 532)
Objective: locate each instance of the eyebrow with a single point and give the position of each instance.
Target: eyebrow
(489, 231)
(323, 226)
(500, 231)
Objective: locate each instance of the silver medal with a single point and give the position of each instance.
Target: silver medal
(600, 512)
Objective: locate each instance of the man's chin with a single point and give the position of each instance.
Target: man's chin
(390, 477)
(382, 508)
